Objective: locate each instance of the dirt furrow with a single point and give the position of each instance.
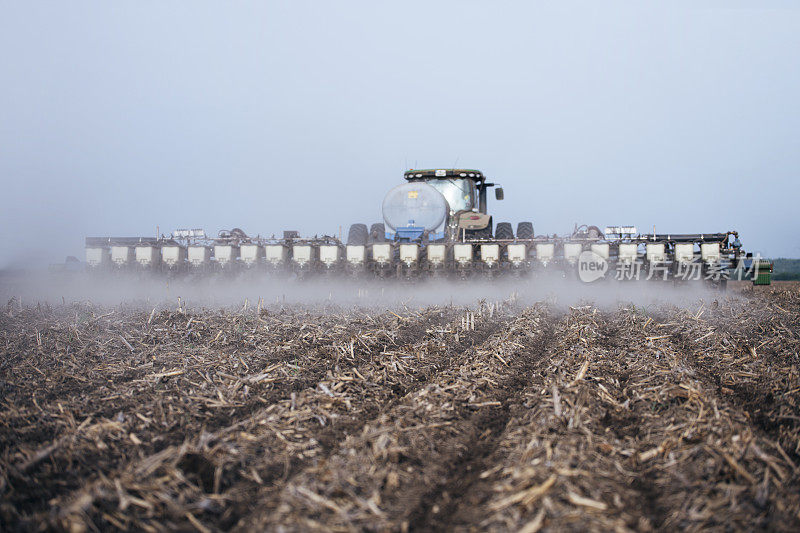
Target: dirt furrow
(381, 477)
(736, 354)
(707, 455)
(552, 464)
(629, 440)
(198, 380)
(222, 471)
(192, 374)
(442, 507)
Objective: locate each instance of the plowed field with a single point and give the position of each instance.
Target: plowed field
(495, 416)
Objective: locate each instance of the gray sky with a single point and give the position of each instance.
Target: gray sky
(116, 117)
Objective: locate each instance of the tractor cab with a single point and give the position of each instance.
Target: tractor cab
(464, 189)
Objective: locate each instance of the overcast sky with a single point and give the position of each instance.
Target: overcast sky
(117, 117)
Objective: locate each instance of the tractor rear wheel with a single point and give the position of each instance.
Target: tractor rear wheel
(377, 233)
(357, 235)
(485, 233)
(504, 231)
(525, 230)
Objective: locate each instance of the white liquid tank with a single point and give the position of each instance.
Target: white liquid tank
(414, 204)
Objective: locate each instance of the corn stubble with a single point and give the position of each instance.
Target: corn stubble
(496, 416)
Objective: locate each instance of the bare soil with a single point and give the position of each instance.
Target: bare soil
(497, 416)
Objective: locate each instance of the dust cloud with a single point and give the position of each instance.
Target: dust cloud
(258, 290)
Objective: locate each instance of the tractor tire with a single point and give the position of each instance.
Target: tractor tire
(485, 233)
(357, 235)
(504, 231)
(377, 233)
(525, 230)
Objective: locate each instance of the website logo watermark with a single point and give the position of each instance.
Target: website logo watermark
(591, 266)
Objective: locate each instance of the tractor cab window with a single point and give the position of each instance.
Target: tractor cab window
(459, 193)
